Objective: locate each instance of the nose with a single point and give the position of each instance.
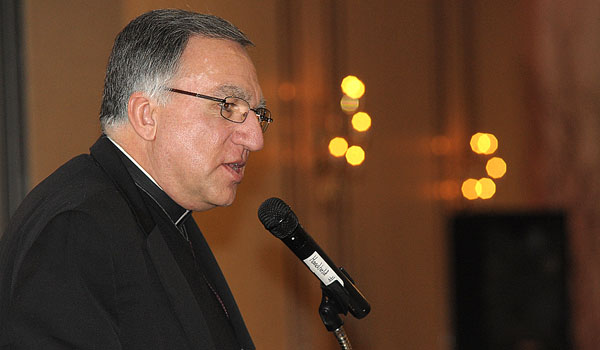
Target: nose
(249, 133)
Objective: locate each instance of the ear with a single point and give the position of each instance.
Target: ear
(142, 115)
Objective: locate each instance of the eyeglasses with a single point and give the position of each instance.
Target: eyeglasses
(235, 109)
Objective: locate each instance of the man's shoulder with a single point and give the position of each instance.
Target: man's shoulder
(80, 184)
(78, 181)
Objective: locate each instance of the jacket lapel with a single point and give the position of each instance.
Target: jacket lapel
(205, 257)
(181, 296)
(178, 290)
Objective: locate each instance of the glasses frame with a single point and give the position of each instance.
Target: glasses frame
(263, 114)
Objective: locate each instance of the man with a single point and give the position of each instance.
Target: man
(104, 253)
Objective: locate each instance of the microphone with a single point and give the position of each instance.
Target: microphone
(279, 219)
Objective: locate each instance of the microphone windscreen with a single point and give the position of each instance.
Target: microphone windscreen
(277, 217)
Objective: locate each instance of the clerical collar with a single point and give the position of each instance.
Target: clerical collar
(176, 213)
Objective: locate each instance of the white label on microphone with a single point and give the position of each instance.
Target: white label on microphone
(320, 268)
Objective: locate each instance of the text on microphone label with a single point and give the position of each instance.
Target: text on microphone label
(320, 268)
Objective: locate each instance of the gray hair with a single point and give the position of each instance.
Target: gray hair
(146, 56)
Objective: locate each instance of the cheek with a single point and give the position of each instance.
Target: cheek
(196, 140)
(200, 146)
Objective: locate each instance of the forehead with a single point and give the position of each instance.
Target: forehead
(218, 66)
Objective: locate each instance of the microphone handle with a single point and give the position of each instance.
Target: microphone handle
(305, 248)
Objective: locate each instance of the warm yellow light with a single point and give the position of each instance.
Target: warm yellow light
(488, 188)
(338, 146)
(478, 188)
(475, 142)
(361, 121)
(482, 143)
(353, 87)
(496, 167)
(469, 189)
(491, 142)
(355, 155)
(349, 104)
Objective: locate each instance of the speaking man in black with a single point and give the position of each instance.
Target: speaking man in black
(104, 253)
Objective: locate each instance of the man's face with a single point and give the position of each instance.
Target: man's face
(198, 156)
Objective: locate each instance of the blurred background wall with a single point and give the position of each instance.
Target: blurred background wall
(436, 72)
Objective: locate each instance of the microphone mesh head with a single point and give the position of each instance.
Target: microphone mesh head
(277, 217)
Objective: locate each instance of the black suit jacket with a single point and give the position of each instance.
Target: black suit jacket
(84, 264)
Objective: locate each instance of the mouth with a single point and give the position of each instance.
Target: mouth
(236, 169)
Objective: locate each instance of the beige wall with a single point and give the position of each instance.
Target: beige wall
(382, 220)
(66, 45)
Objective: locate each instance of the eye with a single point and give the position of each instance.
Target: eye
(232, 105)
(228, 106)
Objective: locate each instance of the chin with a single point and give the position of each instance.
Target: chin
(221, 202)
(228, 202)
(224, 198)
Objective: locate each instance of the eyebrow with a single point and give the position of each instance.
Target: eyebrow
(232, 90)
(236, 91)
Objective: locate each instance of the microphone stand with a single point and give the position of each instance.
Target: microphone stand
(330, 311)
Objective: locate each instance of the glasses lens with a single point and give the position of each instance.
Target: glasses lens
(264, 118)
(235, 109)
(264, 125)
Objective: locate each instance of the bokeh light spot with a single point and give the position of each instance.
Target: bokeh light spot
(483, 143)
(469, 189)
(338, 146)
(361, 121)
(496, 167)
(349, 104)
(488, 188)
(353, 87)
(355, 155)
